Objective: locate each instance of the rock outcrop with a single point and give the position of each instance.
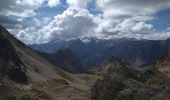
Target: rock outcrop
(123, 83)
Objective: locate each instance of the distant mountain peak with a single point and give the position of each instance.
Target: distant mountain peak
(87, 39)
(66, 59)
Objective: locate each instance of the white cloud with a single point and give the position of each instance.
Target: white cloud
(156, 36)
(128, 18)
(21, 8)
(53, 3)
(134, 25)
(126, 8)
(130, 26)
(142, 28)
(71, 24)
(74, 22)
(78, 3)
(24, 8)
(24, 35)
(118, 18)
(28, 30)
(105, 26)
(142, 18)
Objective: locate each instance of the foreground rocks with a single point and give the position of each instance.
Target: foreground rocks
(123, 83)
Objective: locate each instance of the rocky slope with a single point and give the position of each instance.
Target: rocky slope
(123, 83)
(25, 75)
(10, 64)
(18, 54)
(163, 65)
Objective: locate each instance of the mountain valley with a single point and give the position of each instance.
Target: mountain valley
(26, 74)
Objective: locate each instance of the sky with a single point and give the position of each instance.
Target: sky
(42, 21)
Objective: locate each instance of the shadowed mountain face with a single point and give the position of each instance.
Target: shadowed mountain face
(66, 59)
(10, 64)
(123, 83)
(16, 59)
(25, 75)
(50, 47)
(95, 51)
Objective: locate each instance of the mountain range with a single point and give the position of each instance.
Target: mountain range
(93, 51)
(65, 59)
(27, 74)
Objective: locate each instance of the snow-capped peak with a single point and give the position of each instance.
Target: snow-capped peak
(89, 39)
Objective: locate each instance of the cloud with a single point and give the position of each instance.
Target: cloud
(10, 23)
(21, 8)
(126, 26)
(24, 8)
(71, 24)
(78, 3)
(105, 26)
(128, 17)
(53, 3)
(168, 29)
(77, 21)
(109, 18)
(24, 35)
(126, 8)
(142, 28)
(38, 23)
(27, 29)
(130, 26)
